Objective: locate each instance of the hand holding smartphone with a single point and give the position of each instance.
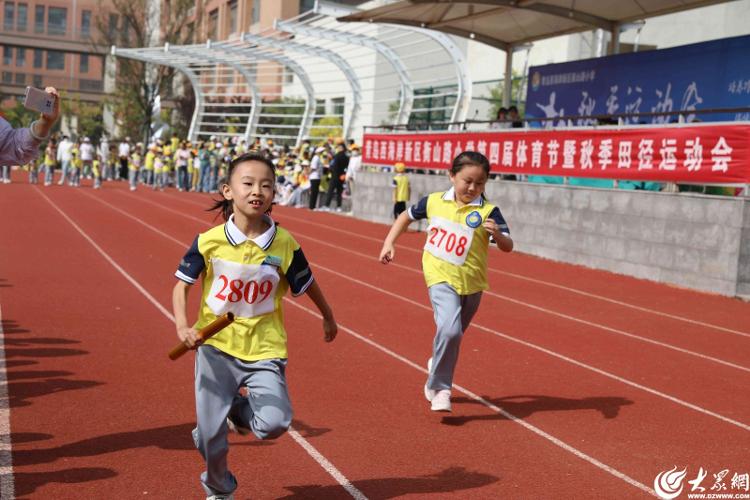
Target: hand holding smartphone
(39, 100)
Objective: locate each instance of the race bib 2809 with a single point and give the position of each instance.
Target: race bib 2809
(247, 290)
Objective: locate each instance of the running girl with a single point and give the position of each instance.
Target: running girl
(462, 223)
(245, 266)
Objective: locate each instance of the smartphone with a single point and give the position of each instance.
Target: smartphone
(39, 100)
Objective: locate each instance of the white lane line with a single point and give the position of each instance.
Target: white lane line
(317, 456)
(537, 281)
(328, 466)
(7, 485)
(578, 453)
(517, 340)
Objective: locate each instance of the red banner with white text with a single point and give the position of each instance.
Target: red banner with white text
(703, 154)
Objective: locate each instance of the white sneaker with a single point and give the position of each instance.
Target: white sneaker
(442, 401)
(429, 394)
(221, 497)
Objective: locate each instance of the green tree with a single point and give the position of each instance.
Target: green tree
(138, 83)
(327, 126)
(496, 96)
(19, 116)
(89, 121)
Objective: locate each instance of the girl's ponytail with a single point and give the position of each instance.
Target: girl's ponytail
(224, 207)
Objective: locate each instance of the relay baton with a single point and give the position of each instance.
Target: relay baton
(204, 334)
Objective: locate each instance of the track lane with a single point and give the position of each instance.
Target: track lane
(671, 376)
(661, 300)
(376, 421)
(127, 433)
(572, 400)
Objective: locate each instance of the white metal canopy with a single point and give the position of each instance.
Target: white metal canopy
(507, 23)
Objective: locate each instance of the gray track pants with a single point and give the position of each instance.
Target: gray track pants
(453, 313)
(267, 410)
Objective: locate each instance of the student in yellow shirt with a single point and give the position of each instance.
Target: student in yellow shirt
(96, 170)
(401, 189)
(134, 166)
(148, 165)
(75, 166)
(50, 153)
(462, 224)
(245, 267)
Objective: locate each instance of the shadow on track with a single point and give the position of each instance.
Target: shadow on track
(449, 480)
(523, 406)
(28, 482)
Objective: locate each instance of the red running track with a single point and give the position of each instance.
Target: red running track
(573, 382)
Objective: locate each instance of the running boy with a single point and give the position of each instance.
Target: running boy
(245, 266)
(462, 223)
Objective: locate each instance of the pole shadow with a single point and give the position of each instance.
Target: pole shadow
(523, 406)
(11, 326)
(27, 483)
(450, 480)
(25, 385)
(21, 393)
(32, 375)
(25, 437)
(170, 437)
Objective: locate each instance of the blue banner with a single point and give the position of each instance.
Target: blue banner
(700, 76)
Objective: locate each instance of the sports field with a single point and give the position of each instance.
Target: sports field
(572, 383)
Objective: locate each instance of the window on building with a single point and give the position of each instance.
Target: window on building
(20, 56)
(37, 81)
(39, 19)
(126, 29)
(233, 16)
(10, 14)
(288, 77)
(7, 55)
(305, 5)
(86, 23)
(57, 20)
(22, 17)
(38, 58)
(55, 59)
(320, 107)
(213, 25)
(20, 78)
(7, 77)
(338, 105)
(112, 27)
(84, 63)
(255, 15)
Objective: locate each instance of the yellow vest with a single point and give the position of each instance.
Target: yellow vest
(246, 279)
(464, 222)
(402, 187)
